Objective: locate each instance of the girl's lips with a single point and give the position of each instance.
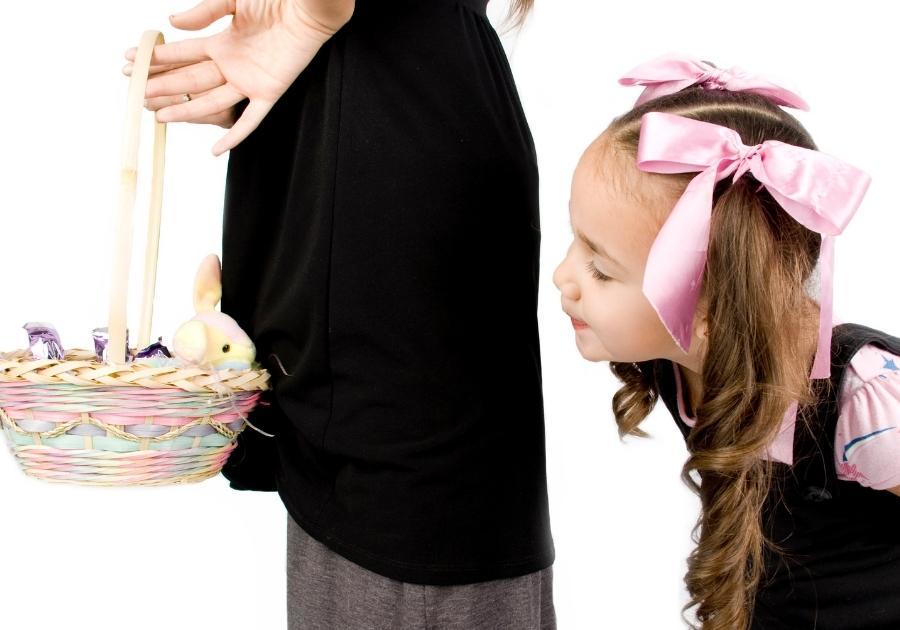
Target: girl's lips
(577, 324)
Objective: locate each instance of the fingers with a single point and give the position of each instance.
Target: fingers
(181, 52)
(209, 103)
(243, 127)
(158, 103)
(192, 79)
(203, 14)
(224, 118)
(157, 69)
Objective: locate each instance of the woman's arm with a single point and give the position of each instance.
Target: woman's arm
(257, 57)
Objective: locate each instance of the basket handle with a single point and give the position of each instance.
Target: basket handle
(124, 222)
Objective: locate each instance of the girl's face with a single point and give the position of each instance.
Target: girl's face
(615, 211)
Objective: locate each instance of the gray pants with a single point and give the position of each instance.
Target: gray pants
(325, 591)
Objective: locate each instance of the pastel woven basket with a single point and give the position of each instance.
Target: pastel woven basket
(79, 420)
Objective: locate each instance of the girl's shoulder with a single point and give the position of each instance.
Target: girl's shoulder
(867, 437)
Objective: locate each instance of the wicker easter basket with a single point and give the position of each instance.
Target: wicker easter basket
(79, 420)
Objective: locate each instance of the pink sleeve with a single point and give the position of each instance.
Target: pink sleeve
(867, 438)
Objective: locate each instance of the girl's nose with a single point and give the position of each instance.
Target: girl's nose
(562, 280)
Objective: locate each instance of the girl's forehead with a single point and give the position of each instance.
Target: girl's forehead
(612, 203)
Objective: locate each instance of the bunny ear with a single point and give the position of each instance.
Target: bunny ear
(208, 284)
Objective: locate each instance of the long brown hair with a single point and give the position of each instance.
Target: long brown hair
(758, 354)
(518, 11)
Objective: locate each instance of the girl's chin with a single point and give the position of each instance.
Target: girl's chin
(597, 358)
(590, 352)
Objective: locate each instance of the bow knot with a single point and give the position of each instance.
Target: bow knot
(713, 78)
(745, 159)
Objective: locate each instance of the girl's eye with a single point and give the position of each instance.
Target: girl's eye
(599, 275)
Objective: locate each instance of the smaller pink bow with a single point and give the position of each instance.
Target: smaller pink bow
(819, 191)
(673, 73)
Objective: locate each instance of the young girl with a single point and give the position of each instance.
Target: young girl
(700, 217)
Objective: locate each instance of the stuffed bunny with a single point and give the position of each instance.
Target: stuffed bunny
(212, 338)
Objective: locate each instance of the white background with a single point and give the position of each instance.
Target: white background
(204, 556)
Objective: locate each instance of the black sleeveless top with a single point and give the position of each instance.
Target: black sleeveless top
(380, 246)
(842, 566)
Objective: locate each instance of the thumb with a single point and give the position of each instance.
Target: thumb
(203, 14)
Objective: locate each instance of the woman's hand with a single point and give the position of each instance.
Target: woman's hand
(266, 46)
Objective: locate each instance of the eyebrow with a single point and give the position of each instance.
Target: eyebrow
(597, 249)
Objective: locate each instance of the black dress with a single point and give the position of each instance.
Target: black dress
(380, 246)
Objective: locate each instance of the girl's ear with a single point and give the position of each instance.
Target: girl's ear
(701, 323)
(208, 284)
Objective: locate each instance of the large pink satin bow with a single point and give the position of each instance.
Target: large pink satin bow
(819, 191)
(673, 73)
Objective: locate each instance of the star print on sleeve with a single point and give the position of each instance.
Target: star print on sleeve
(889, 365)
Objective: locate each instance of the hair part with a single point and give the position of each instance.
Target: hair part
(762, 328)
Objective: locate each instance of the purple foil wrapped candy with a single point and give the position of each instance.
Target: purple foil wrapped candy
(43, 341)
(155, 349)
(101, 339)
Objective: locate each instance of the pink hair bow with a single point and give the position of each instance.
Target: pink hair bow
(819, 191)
(673, 73)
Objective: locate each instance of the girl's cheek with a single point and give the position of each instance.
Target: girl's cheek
(602, 323)
(597, 315)
(614, 321)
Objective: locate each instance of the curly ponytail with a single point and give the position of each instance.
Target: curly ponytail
(757, 362)
(761, 327)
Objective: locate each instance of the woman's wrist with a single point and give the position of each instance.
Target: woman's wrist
(325, 17)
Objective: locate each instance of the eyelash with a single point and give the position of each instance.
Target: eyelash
(599, 275)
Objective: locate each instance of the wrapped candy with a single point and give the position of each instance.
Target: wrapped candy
(101, 339)
(155, 349)
(157, 355)
(43, 341)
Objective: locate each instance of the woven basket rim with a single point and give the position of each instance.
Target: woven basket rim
(81, 368)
